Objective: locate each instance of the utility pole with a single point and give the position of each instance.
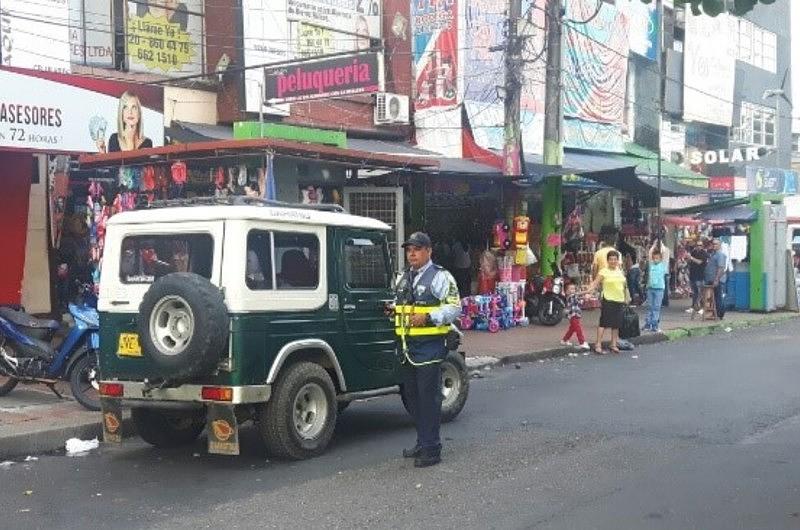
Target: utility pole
(553, 149)
(661, 88)
(512, 133)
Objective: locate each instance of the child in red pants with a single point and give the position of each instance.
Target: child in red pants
(574, 314)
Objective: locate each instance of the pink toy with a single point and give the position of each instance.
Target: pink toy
(494, 325)
(501, 239)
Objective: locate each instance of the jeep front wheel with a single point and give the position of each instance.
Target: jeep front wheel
(298, 420)
(165, 429)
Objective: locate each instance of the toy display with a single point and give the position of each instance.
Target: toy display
(503, 309)
(500, 236)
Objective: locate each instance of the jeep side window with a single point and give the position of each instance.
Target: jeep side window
(258, 269)
(366, 264)
(146, 258)
(297, 260)
(295, 257)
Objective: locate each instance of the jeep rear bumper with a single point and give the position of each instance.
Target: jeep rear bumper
(139, 394)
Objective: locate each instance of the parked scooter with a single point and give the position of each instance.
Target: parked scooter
(544, 298)
(28, 355)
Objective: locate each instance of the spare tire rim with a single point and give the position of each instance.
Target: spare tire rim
(451, 384)
(310, 411)
(171, 325)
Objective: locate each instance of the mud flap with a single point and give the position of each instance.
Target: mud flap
(223, 430)
(112, 420)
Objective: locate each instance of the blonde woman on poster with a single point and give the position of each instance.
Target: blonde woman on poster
(130, 131)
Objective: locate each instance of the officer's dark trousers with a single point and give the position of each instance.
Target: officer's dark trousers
(423, 391)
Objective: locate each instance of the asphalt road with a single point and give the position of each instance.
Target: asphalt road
(698, 434)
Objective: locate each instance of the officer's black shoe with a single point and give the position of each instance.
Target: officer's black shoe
(414, 452)
(428, 457)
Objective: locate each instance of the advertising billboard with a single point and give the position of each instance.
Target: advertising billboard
(35, 35)
(49, 111)
(165, 37)
(435, 52)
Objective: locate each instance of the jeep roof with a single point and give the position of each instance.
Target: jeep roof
(254, 210)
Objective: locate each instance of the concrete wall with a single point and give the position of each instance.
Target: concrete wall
(36, 275)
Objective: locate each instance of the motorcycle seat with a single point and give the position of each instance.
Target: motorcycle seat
(24, 320)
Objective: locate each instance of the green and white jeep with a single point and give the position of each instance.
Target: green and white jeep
(213, 314)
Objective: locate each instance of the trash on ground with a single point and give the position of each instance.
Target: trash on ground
(7, 464)
(31, 458)
(728, 330)
(28, 492)
(78, 447)
(634, 356)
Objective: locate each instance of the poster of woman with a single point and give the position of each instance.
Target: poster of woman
(130, 129)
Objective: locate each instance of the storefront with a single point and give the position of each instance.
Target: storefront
(44, 118)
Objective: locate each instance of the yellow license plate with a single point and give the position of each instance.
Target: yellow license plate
(129, 345)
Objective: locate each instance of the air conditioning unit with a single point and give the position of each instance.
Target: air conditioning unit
(391, 108)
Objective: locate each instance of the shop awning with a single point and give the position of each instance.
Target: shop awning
(673, 188)
(185, 132)
(674, 220)
(646, 162)
(351, 158)
(456, 166)
(733, 214)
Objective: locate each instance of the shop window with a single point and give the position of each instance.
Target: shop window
(756, 125)
(145, 258)
(366, 264)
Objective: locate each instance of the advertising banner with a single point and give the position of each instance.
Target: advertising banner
(771, 180)
(709, 69)
(435, 51)
(56, 112)
(484, 71)
(595, 62)
(165, 37)
(325, 78)
(329, 26)
(91, 40)
(35, 35)
(643, 27)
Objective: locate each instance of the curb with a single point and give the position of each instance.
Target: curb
(654, 338)
(49, 440)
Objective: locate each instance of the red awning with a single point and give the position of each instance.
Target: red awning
(221, 148)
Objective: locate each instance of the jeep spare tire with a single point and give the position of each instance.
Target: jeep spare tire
(183, 325)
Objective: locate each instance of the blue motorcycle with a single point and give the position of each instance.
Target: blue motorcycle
(28, 355)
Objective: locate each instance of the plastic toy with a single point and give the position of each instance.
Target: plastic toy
(521, 225)
(501, 239)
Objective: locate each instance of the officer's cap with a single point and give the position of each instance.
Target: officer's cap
(418, 239)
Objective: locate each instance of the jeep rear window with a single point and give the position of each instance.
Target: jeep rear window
(294, 257)
(145, 258)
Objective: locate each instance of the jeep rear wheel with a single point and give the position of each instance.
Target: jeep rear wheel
(298, 421)
(183, 325)
(165, 429)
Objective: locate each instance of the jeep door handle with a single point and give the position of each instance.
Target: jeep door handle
(348, 308)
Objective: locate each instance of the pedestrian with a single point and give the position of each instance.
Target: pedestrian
(633, 274)
(697, 264)
(575, 315)
(656, 285)
(462, 265)
(426, 306)
(716, 275)
(612, 283)
(666, 257)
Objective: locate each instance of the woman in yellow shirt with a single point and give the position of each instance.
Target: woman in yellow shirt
(613, 286)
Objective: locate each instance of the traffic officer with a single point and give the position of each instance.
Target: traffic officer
(427, 304)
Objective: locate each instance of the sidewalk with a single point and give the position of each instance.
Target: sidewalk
(33, 420)
(539, 342)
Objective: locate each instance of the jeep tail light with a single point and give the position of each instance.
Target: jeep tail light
(111, 389)
(217, 393)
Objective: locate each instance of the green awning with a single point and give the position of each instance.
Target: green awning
(646, 162)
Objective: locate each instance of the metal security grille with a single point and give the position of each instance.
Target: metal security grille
(383, 204)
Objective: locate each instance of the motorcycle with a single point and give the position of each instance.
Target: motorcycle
(28, 355)
(544, 298)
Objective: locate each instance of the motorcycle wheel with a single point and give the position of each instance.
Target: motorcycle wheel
(83, 381)
(7, 384)
(551, 313)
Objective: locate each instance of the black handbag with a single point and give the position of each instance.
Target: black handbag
(630, 323)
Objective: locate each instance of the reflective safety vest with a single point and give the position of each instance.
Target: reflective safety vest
(416, 298)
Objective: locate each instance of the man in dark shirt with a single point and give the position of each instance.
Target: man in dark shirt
(697, 264)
